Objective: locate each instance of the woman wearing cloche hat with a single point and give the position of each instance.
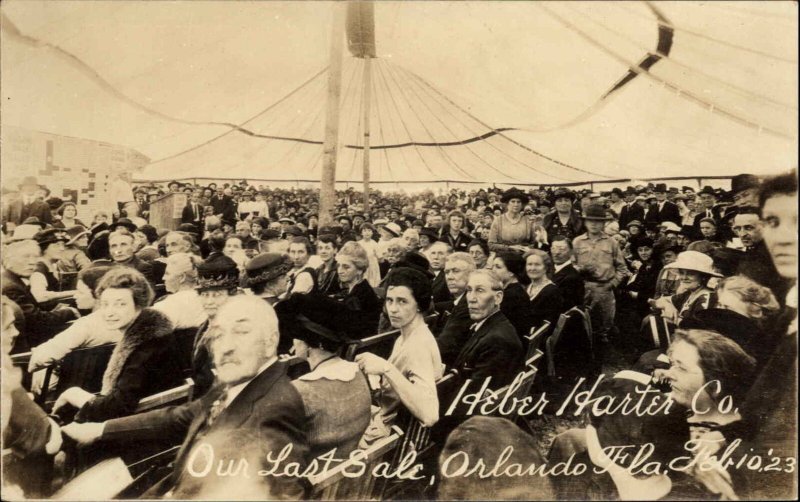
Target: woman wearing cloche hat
(695, 269)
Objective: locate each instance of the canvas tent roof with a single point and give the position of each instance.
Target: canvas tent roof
(517, 92)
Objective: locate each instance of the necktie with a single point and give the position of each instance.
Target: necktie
(216, 408)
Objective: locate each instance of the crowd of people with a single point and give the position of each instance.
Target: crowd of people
(249, 287)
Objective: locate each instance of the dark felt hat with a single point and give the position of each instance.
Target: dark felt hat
(595, 212)
(430, 233)
(562, 192)
(123, 222)
(742, 182)
(217, 272)
(33, 220)
(50, 236)
(266, 267)
(514, 193)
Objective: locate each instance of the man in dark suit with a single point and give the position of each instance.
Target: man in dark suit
(632, 210)
(193, 212)
(27, 205)
(757, 263)
(664, 209)
(437, 254)
(38, 325)
(493, 348)
(455, 331)
(254, 413)
(224, 205)
(708, 209)
(566, 278)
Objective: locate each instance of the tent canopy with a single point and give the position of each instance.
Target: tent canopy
(517, 92)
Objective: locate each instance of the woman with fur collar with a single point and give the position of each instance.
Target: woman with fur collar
(142, 363)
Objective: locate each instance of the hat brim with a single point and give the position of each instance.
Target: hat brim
(73, 239)
(597, 218)
(682, 266)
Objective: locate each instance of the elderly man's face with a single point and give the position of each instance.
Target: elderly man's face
(482, 299)
(708, 200)
(176, 244)
(436, 255)
(748, 228)
(22, 258)
(239, 344)
(560, 251)
(456, 273)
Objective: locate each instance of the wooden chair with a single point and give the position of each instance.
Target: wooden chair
(82, 368)
(21, 361)
(535, 339)
(334, 485)
(552, 341)
(660, 331)
(365, 343)
(169, 397)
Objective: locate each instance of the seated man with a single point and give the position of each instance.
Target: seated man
(255, 400)
(493, 348)
(121, 247)
(38, 325)
(455, 332)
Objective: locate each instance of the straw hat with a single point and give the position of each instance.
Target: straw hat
(695, 261)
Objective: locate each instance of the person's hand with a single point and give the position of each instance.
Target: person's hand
(85, 433)
(75, 396)
(634, 294)
(636, 264)
(660, 376)
(372, 364)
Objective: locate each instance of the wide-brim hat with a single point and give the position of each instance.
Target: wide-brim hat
(308, 318)
(123, 222)
(514, 193)
(669, 226)
(561, 193)
(24, 232)
(267, 266)
(217, 272)
(29, 181)
(430, 233)
(742, 182)
(33, 220)
(75, 233)
(695, 261)
(595, 212)
(286, 219)
(50, 236)
(393, 228)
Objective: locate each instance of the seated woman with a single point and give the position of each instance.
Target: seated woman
(144, 361)
(45, 282)
(706, 370)
(68, 213)
(302, 278)
(516, 306)
(479, 251)
(409, 377)
(741, 306)
(545, 297)
(74, 258)
(335, 393)
(695, 270)
(356, 305)
(90, 330)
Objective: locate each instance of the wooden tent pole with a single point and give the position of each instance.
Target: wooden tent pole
(366, 106)
(327, 193)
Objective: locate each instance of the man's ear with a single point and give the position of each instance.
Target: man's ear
(498, 295)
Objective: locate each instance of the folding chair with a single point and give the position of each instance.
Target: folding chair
(334, 485)
(660, 331)
(535, 339)
(169, 397)
(82, 368)
(364, 344)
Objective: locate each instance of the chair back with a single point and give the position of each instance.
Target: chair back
(535, 339)
(82, 368)
(365, 344)
(334, 485)
(660, 332)
(563, 321)
(177, 395)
